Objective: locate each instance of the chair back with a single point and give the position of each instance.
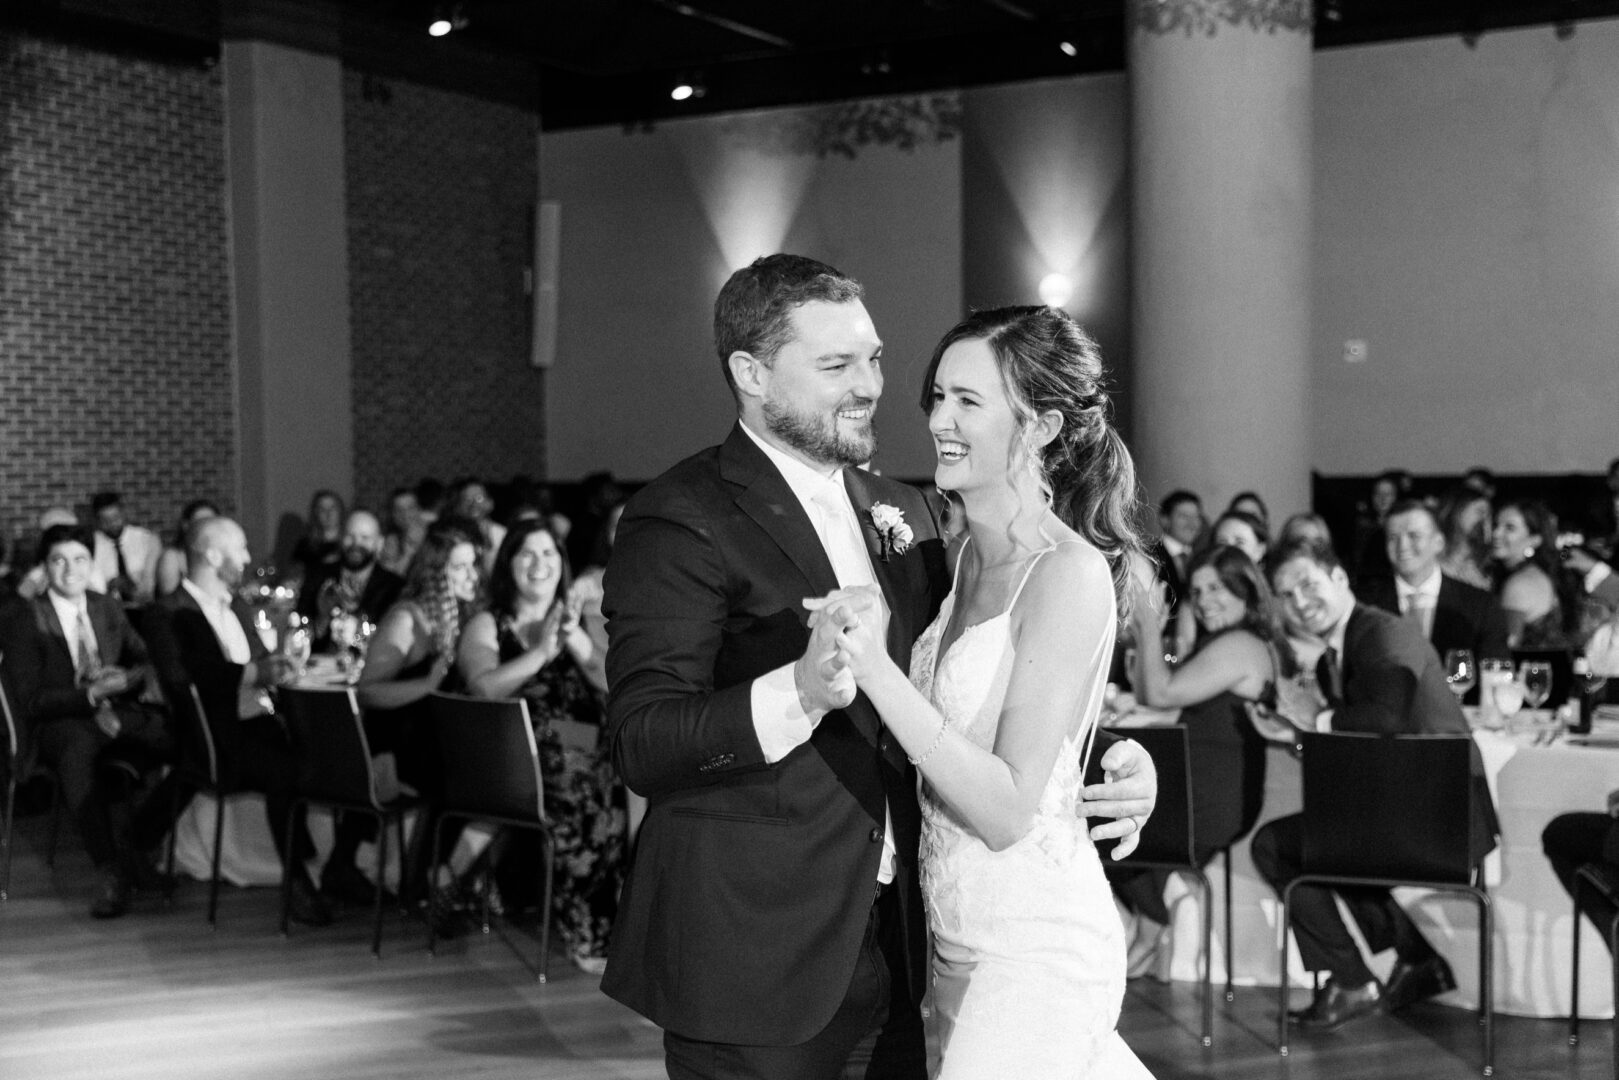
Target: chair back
(1561, 662)
(13, 734)
(1388, 806)
(196, 737)
(328, 739)
(1167, 837)
(491, 761)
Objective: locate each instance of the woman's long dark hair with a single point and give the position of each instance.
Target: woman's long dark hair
(1541, 522)
(1239, 574)
(503, 583)
(425, 584)
(1048, 363)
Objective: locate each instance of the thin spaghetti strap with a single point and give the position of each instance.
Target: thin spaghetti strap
(955, 575)
(1030, 570)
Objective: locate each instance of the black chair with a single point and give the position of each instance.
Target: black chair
(16, 773)
(197, 771)
(1602, 879)
(335, 771)
(1166, 843)
(1388, 811)
(492, 775)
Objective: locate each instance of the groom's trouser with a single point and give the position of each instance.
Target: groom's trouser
(876, 1034)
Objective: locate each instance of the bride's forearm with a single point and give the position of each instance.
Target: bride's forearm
(982, 788)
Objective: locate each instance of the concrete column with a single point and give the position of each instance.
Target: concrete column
(289, 253)
(1220, 219)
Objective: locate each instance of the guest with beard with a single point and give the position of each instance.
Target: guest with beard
(355, 586)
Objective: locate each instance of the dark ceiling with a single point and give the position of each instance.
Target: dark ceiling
(589, 62)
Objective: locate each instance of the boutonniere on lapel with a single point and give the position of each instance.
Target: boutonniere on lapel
(893, 535)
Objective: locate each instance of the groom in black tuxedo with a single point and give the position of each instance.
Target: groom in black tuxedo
(772, 923)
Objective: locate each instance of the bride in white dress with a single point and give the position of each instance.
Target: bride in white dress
(1001, 703)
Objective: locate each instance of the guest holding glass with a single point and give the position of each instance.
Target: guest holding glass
(530, 644)
(1240, 653)
(1527, 572)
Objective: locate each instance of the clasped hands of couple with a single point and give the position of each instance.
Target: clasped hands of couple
(848, 648)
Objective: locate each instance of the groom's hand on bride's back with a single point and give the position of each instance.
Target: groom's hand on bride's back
(1126, 798)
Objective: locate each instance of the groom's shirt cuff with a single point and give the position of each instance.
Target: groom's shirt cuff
(779, 720)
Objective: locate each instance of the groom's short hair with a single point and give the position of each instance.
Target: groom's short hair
(753, 313)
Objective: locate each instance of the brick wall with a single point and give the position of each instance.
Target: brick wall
(440, 192)
(115, 333)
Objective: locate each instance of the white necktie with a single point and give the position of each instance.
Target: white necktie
(840, 534)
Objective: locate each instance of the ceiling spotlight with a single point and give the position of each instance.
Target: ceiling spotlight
(1331, 11)
(682, 91)
(1056, 289)
(447, 19)
(1068, 48)
(688, 87)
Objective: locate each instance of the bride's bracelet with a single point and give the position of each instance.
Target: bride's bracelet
(937, 739)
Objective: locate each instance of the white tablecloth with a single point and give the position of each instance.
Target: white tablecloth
(1533, 913)
(248, 855)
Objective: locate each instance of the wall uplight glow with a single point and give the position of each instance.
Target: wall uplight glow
(1056, 289)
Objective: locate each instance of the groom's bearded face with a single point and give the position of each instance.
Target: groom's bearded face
(824, 384)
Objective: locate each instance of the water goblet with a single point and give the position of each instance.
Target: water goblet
(1461, 672)
(1536, 678)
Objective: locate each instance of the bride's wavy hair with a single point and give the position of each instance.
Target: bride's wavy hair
(1047, 363)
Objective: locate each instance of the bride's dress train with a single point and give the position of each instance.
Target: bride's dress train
(1029, 954)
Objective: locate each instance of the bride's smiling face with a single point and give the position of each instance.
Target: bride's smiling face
(971, 419)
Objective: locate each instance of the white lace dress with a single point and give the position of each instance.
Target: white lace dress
(1028, 951)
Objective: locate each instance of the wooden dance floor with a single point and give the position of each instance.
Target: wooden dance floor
(157, 995)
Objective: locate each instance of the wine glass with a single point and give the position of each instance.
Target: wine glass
(296, 645)
(1536, 678)
(1461, 672)
(359, 643)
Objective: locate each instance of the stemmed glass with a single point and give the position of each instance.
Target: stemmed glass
(297, 643)
(359, 642)
(1536, 677)
(1461, 671)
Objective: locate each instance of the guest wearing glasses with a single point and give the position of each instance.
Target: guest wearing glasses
(469, 500)
(1376, 674)
(530, 644)
(1451, 613)
(1527, 573)
(1240, 654)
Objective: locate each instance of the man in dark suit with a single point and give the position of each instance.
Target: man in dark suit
(772, 922)
(355, 585)
(1377, 674)
(1180, 521)
(202, 634)
(89, 709)
(1451, 613)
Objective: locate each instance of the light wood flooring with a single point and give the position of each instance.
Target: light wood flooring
(158, 995)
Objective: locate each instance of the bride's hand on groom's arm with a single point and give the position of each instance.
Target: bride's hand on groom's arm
(1127, 797)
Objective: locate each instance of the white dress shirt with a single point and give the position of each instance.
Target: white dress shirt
(67, 613)
(141, 549)
(779, 718)
(251, 700)
(1428, 592)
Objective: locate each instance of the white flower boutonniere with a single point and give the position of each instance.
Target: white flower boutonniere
(894, 537)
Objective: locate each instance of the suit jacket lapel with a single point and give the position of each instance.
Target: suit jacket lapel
(858, 484)
(766, 498)
(109, 644)
(45, 618)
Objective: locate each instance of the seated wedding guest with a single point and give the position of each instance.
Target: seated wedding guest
(1481, 480)
(355, 586)
(530, 644)
(171, 565)
(202, 634)
(411, 655)
(1240, 654)
(469, 500)
(34, 581)
(1602, 517)
(1388, 488)
(1250, 503)
(1451, 613)
(1377, 674)
(1304, 526)
(599, 494)
(125, 554)
(321, 544)
(403, 531)
(1465, 519)
(1234, 528)
(429, 499)
(91, 710)
(1572, 840)
(1527, 572)
(1180, 519)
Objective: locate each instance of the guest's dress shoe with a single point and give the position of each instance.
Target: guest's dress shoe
(1336, 1005)
(1411, 983)
(144, 876)
(306, 905)
(112, 898)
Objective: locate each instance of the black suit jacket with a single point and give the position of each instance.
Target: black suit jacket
(1394, 684)
(1464, 617)
(745, 909)
(40, 664)
(382, 588)
(185, 649)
